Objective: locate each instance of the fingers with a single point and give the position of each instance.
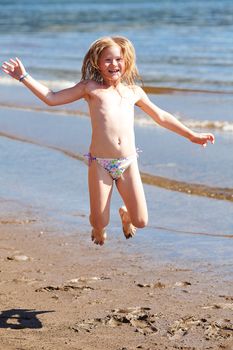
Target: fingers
(8, 66)
(20, 64)
(13, 67)
(206, 138)
(5, 68)
(18, 60)
(14, 62)
(203, 139)
(210, 138)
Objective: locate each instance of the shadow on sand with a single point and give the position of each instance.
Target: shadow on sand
(21, 319)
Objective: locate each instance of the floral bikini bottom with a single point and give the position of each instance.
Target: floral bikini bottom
(114, 166)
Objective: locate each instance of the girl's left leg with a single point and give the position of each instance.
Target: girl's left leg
(134, 214)
(100, 191)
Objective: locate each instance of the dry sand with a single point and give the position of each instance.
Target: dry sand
(62, 292)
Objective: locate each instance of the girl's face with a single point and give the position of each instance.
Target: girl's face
(111, 64)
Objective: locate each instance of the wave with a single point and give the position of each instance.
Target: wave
(149, 89)
(219, 125)
(59, 84)
(150, 179)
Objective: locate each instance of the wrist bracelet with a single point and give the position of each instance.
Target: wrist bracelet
(23, 76)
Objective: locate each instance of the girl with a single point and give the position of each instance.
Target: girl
(108, 85)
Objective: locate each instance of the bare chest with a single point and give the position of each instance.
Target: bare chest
(112, 101)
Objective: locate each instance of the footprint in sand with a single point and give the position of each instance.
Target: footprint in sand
(220, 329)
(220, 306)
(137, 317)
(64, 288)
(151, 285)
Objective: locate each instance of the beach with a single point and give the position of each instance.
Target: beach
(59, 291)
(170, 286)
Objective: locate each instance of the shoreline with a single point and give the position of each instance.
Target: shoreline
(202, 190)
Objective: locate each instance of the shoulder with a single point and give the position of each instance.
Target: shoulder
(90, 85)
(139, 93)
(137, 90)
(133, 89)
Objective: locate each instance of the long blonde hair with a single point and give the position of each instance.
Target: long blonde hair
(90, 68)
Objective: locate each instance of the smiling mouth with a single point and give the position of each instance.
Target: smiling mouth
(114, 71)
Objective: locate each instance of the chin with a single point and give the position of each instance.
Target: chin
(116, 77)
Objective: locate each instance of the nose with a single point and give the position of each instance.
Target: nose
(114, 62)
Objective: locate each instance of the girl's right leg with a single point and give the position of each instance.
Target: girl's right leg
(134, 214)
(100, 191)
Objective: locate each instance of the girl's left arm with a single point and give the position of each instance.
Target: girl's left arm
(168, 121)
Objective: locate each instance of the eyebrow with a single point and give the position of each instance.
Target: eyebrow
(107, 57)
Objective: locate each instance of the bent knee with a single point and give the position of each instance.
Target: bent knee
(140, 222)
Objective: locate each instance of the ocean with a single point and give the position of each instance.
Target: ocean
(182, 44)
(184, 55)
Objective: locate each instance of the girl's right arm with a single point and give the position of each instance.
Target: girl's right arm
(16, 70)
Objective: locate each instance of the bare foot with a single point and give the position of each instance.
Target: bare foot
(98, 236)
(128, 228)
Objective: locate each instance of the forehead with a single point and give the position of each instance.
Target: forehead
(114, 50)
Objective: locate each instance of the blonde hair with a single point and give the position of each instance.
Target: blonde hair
(90, 68)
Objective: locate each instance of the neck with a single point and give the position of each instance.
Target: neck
(110, 83)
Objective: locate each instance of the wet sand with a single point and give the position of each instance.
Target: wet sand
(63, 292)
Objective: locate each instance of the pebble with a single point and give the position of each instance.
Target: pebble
(18, 258)
(182, 284)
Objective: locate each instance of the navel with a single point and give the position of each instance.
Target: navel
(119, 141)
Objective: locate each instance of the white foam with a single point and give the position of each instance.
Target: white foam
(210, 124)
(57, 84)
(221, 125)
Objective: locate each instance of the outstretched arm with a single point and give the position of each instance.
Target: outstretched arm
(16, 70)
(168, 121)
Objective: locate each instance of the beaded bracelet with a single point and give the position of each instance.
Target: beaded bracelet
(23, 76)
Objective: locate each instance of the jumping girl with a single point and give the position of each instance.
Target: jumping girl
(108, 84)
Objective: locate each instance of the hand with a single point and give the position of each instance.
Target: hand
(14, 68)
(202, 138)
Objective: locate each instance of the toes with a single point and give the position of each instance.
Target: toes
(98, 237)
(130, 232)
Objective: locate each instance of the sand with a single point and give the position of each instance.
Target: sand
(63, 292)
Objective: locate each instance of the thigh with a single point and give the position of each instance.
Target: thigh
(131, 190)
(100, 191)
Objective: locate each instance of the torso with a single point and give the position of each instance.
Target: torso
(112, 117)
